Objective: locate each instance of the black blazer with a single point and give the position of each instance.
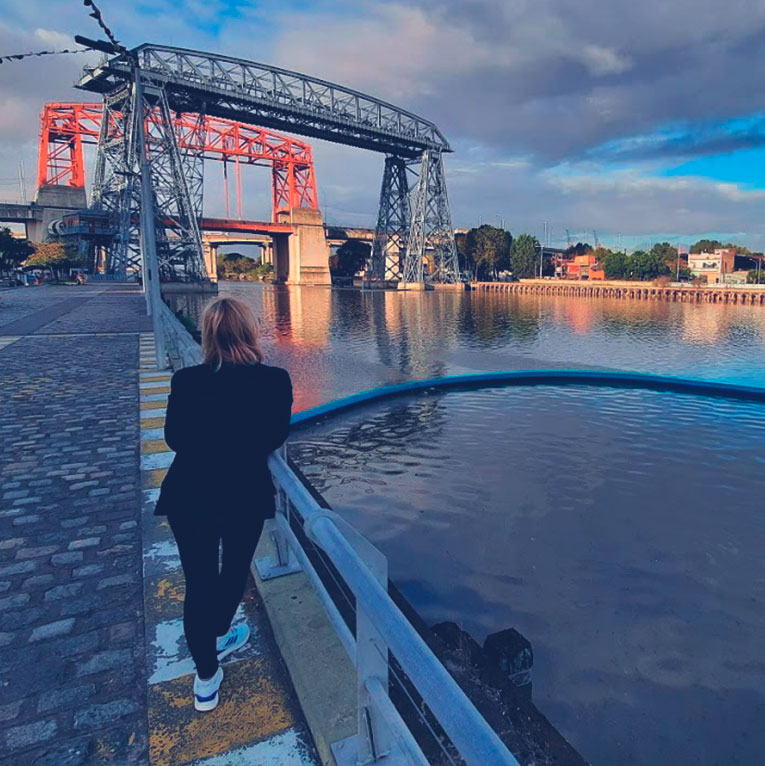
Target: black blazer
(222, 426)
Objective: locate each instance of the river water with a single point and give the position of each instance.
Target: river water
(621, 531)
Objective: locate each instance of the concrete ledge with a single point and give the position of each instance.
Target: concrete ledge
(322, 675)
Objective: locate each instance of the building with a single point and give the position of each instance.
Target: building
(584, 266)
(713, 266)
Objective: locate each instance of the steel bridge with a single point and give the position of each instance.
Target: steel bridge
(414, 240)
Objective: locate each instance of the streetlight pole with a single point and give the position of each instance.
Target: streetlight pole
(148, 231)
(542, 251)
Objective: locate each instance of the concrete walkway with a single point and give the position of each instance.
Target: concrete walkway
(94, 667)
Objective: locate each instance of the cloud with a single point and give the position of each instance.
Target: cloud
(537, 76)
(540, 98)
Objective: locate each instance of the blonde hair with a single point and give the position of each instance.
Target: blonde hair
(229, 334)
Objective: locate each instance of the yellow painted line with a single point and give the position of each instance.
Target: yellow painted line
(152, 479)
(154, 446)
(152, 423)
(156, 390)
(167, 589)
(154, 405)
(251, 709)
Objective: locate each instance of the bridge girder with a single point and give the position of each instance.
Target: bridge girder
(195, 81)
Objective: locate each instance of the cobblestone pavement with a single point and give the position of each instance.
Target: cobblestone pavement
(71, 613)
(20, 302)
(94, 666)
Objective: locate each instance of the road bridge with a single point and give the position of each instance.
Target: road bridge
(163, 80)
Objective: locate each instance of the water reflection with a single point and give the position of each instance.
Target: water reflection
(338, 342)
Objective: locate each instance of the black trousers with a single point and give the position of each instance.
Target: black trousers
(213, 593)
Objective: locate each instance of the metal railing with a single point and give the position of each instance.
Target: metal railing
(182, 349)
(381, 629)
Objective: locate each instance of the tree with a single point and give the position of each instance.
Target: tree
(706, 246)
(464, 256)
(488, 247)
(13, 250)
(53, 255)
(238, 266)
(664, 251)
(523, 256)
(615, 265)
(350, 258)
(646, 266)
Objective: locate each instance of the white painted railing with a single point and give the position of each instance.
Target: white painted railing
(382, 736)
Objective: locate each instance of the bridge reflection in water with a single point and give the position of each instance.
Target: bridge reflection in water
(337, 342)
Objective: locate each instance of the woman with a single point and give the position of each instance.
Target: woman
(224, 417)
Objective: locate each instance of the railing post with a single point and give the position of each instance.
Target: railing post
(374, 740)
(283, 561)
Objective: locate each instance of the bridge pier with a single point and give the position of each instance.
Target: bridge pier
(302, 258)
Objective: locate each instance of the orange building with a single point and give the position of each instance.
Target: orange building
(580, 267)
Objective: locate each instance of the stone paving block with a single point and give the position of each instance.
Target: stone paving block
(52, 629)
(97, 715)
(29, 734)
(70, 557)
(50, 461)
(112, 658)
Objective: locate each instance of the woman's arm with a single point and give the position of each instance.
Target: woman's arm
(179, 417)
(276, 434)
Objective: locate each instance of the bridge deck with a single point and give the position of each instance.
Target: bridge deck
(95, 667)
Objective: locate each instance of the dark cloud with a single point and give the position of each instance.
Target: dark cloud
(549, 77)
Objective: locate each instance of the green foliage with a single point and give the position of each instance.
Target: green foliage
(647, 266)
(190, 325)
(706, 246)
(753, 278)
(641, 265)
(488, 248)
(350, 258)
(238, 266)
(13, 251)
(615, 265)
(523, 256)
(483, 252)
(664, 251)
(54, 256)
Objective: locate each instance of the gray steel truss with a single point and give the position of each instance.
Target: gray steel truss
(177, 181)
(264, 95)
(115, 185)
(414, 239)
(431, 253)
(389, 247)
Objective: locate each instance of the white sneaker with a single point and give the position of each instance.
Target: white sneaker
(206, 692)
(236, 638)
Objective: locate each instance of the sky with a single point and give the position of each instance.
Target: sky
(632, 122)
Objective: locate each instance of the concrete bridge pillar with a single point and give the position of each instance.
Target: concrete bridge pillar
(54, 202)
(307, 261)
(210, 254)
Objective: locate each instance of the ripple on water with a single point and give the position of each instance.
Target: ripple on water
(620, 530)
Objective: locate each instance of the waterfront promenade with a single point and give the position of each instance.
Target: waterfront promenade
(743, 295)
(94, 667)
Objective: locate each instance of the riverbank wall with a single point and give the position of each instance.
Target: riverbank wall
(744, 295)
